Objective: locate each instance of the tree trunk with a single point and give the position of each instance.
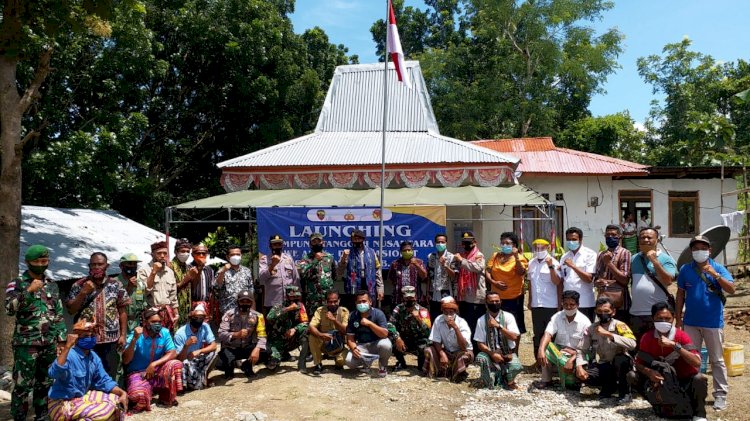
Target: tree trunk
(11, 153)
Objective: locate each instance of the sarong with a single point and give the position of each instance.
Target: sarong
(457, 363)
(93, 406)
(167, 381)
(194, 372)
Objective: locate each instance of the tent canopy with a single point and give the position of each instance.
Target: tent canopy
(450, 196)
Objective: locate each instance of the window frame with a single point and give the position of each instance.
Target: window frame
(696, 213)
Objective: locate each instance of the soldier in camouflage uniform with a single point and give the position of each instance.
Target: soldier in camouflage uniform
(35, 301)
(135, 287)
(317, 270)
(287, 327)
(412, 321)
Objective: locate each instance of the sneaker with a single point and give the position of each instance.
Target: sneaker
(272, 364)
(699, 419)
(382, 372)
(625, 399)
(318, 369)
(399, 366)
(720, 403)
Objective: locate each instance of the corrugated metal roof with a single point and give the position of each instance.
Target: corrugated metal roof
(537, 158)
(354, 102)
(363, 148)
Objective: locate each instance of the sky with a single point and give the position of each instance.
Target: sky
(719, 28)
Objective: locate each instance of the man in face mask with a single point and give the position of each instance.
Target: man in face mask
(201, 279)
(406, 271)
(231, 279)
(317, 270)
(102, 298)
(287, 328)
(472, 287)
(151, 364)
(359, 268)
(567, 327)
(578, 267)
(276, 272)
(412, 322)
(367, 336)
(702, 284)
(666, 343)
(242, 334)
(180, 267)
(441, 274)
(73, 396)
(611, 340)
(327, 332)
(451, 350)
(545, 288)
(613, 271)
(196, 348)
(34, 300)
(496, 335)
(161, 285)
(135, 288)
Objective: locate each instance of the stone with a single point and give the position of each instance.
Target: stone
(4, 395)
(191, 404)
(246, 416)
(259, 416)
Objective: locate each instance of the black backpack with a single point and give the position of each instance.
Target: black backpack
(669, 400)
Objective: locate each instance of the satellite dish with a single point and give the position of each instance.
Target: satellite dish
(719, 237)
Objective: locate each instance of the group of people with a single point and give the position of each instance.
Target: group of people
(163, 327)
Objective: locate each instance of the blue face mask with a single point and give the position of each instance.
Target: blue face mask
(86, 343)
(612, 242)
(440, 247)
(506, 249)
(572, 245)
(363, 307)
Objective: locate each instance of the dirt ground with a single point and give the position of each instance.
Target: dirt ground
(290, 395)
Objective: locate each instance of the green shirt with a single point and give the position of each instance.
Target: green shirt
(39, 315)
(137, 301)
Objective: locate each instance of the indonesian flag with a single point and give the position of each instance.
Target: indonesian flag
(394, 47)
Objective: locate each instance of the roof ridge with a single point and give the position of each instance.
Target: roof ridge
(603, 157)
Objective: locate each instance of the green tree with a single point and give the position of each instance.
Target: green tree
(614, 135)
(700, 121)
(29, 36)
(509, 68)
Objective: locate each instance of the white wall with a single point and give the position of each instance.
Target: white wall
(577, 192)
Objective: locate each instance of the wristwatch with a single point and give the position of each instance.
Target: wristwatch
(677, 347)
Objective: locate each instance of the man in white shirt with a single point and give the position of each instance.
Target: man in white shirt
(496, 335)
(578, 267)
(567, 327)
(545, 287)
(451, 350)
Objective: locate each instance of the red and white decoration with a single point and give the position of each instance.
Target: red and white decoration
(372, 179)
(451, 178)
(490, 177)
(236, 182)
(274, 181)
(394, 47)
(307, 181)
(342, 180)
(415, 179)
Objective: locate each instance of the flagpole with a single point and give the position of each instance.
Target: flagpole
(385, 122)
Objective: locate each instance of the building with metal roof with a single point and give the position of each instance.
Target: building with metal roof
(344, 151)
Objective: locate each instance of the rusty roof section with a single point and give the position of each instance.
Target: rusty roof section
(539, 155)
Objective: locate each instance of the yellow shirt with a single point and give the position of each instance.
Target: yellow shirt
(506, 272)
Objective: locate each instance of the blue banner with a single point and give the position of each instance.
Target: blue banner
(418, 224)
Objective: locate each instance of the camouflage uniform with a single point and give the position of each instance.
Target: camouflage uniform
(279, 322)
(414, 331)
(39, 326)
(137, 302)
(316, 278)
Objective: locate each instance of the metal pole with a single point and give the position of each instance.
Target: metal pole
(385, 123)
(167, 219)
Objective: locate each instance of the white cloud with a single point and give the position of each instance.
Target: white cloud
(639, 126)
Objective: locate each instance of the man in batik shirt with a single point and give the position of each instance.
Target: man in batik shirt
(231, 279)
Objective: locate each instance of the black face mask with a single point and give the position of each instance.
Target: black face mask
(317, 248)
(357, 245)
(196, 323)
(333, 309)
(245, 308)
(129, 272)
(493, 307)
(410, 303)
(468, 246)
(276, 252)
(604, 318)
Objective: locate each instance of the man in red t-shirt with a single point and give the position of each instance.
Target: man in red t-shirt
(660, 343)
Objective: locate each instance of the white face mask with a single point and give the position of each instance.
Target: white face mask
(700, 256)
(571, 313)
(183, 257)
(235, 260)
(662, 327)
(541, 255)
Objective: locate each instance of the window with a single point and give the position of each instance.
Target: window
(536, 225)
(684, 213)
(636, 203)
